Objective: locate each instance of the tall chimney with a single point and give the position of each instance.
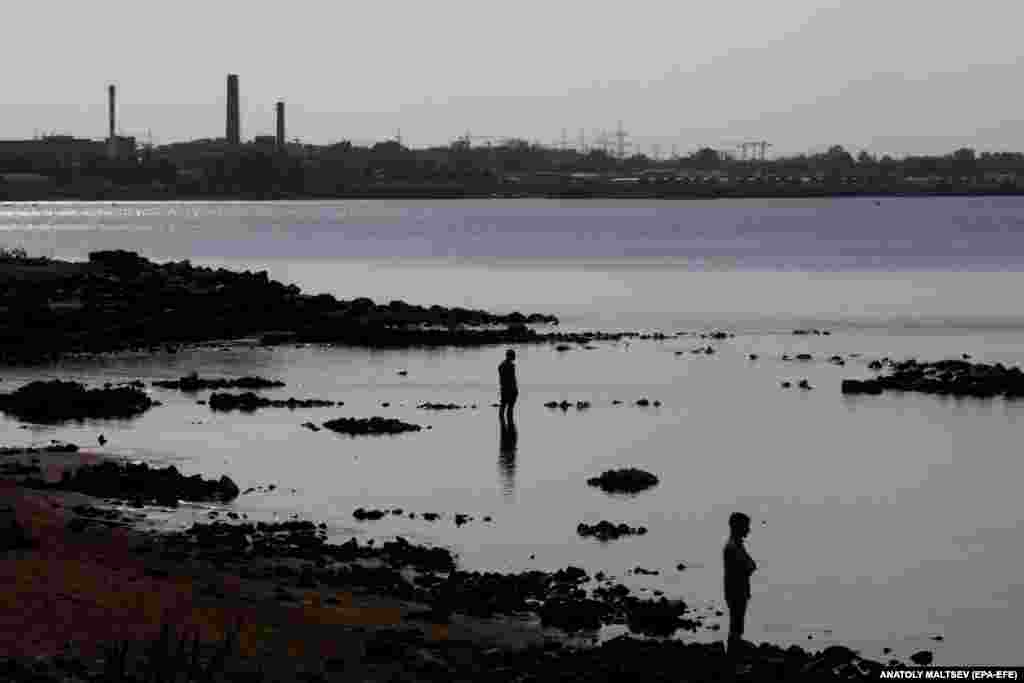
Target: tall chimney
(112, 138)
(110, 98)
(280, 125)
(233, 125)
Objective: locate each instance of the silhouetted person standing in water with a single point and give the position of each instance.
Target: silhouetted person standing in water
(738, 568)
(509, 388)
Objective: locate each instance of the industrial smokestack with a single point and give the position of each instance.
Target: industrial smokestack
(111, 101)
(280, 125)
(234, 131)
(112, 138)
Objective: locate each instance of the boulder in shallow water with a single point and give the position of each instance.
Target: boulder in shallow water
(627, 480)
(372, 425)
(58, 401)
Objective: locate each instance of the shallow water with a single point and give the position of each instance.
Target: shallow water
(878, 520)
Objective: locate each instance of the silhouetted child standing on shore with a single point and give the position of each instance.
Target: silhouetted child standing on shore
(738, 568)
(509, 388)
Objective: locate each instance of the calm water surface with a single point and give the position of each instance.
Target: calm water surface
(877, 520)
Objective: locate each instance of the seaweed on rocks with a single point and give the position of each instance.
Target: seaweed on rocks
(59, 401)
(946, 377)
(193, 382)
(139, 482)
(626, 480)
(250, 402)
(372, 425)
(606, 531)
(440, 406)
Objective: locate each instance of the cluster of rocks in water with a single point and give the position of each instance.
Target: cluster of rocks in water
(834, 359)
(193, 382)
(626, 480)
(945, 377)
(811, 331)
(460, 519)
(584, 405)
(442, 406)
(140, 484)
(250, 402)
(59, 401)
(371, 425)
(607, 531)
(120, 300)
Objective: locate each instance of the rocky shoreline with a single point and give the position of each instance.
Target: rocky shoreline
(119, 301)
(295, 556)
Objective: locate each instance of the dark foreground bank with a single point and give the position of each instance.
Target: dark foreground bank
(450, 624)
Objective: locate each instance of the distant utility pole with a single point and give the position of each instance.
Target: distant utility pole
(675, 151)
(398, 137)
(583, 143)
(565, 139)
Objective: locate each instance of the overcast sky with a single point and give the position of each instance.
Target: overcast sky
(889, 76)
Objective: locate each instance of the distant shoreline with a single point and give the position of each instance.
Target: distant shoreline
(639, 191)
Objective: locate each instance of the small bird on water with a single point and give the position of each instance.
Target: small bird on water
(102, 439)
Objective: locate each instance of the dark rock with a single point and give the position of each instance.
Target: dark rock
(804, 384)
(947, 377)
(922, 657)
(12, 534)
(855, 386)
(373, 425)
(606, 531)
(563, 347)
(440, 406)
(311, 426)
(192, 383)
(362, 514)
(753, 356)
(57, 401)
(804, 356)
(786, 385)
(250, 402)
(628, 480)
(140, 483)
(643, 402)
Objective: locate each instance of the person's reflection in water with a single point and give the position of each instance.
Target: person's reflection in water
(507, 454)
